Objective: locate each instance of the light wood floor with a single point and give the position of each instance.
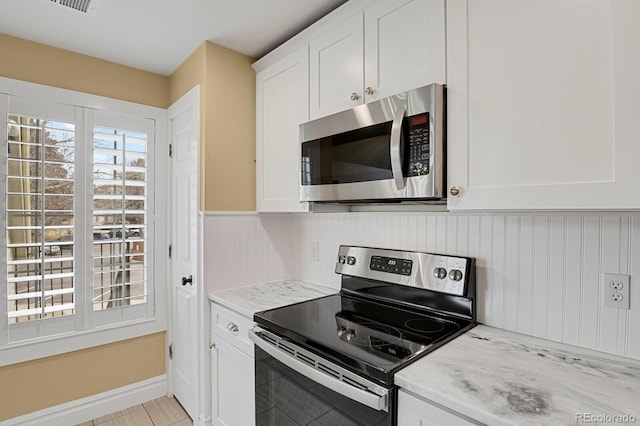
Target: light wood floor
(163, 411)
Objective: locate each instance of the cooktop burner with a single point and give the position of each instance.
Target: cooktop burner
(368, 334)
(424, 325)
(389, 312)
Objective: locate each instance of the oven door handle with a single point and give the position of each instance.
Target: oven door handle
(370, 399)
(395, 148)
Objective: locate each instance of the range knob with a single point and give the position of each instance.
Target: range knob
(455, 275)
(440, 273)
(346, 333)
(351, 260)
(342, 258)
(350, 334)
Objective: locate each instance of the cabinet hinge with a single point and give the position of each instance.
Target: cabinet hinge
(170, 251)
(170, 150)
(171, 351)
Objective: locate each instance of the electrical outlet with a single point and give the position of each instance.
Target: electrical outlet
(616, 291)
(315, 251)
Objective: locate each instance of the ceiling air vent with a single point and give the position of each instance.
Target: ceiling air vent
(79, 5)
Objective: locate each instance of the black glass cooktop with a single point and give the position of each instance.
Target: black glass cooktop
(368, 337)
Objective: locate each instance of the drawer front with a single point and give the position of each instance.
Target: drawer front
(415, 411)
(232, 327)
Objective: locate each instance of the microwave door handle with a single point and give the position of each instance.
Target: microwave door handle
(395, 148)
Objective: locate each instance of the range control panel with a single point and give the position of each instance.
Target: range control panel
(391, 265)
(446, 274)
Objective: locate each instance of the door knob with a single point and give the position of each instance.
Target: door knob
(186, 280)
(355, 96)
(370, 90)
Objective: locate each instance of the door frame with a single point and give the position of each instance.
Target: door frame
(191, 99)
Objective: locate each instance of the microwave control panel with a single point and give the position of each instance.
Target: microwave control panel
(419, 148)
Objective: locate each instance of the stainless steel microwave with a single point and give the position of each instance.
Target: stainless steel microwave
(389, 150)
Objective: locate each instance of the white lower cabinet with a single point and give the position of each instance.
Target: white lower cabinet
(233, 388)
(232, 368)
(414, 411)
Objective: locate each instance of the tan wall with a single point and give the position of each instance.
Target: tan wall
(191, 72)
(230, 152)
(35, 385)
(227, 128)
(41, 383)
(38, 63)
(228, 183)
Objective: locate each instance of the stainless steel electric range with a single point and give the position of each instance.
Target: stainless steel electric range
(332, 360)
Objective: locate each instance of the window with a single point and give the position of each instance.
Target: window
(79, 222)
(40, 222)
(119, 217)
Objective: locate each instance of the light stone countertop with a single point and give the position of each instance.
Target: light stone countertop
(251, 299)
(498, 377)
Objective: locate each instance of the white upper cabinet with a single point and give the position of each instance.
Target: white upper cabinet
(336, 68)
(404, 46)
(282, 97)
(390, 47)
(543, 104)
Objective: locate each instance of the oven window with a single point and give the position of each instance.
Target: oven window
(357, 156)
(285, 397)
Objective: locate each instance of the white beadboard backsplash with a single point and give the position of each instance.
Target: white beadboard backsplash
(539, 275)
(246, 249)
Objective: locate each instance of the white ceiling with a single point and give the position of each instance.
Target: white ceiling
(158, 35)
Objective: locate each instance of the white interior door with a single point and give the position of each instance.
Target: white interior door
(184, 138)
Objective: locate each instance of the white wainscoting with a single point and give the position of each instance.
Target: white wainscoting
(246, 248)
(539, 275)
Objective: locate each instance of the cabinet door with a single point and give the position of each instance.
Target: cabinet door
(414, 411)
(404, 46)
(282, 105)
(336, 69)
(233, 385)
(544, 104)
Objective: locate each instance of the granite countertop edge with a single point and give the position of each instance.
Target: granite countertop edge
(248, 300)
(551, 382)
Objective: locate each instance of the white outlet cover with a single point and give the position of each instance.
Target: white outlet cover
(315, 251)
(616, 291)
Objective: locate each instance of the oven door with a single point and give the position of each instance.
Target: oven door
(296, 387)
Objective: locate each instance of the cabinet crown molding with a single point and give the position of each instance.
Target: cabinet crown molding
(335, 17)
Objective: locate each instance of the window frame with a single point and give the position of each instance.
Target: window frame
(86, 331)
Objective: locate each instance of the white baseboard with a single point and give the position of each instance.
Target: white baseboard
(82, 410)
(207, 421)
